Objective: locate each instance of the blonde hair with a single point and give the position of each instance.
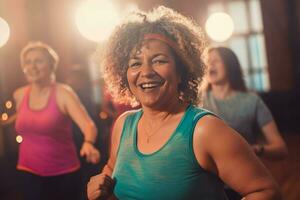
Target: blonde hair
(40, 46)
(182, 31)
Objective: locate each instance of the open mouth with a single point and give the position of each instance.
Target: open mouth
(150, 85)
(212, 72)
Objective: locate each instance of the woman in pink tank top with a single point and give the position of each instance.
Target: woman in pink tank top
(45, 108)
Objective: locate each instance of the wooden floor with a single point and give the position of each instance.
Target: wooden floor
(287, 172)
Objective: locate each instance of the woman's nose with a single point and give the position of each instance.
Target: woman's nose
(30, 65)
(147, 70)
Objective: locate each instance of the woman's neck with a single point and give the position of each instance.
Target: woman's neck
(41, 86)
(154, 116)
(222, 91)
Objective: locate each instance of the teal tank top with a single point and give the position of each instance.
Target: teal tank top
(172, 172)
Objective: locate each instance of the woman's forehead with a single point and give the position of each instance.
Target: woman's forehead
(36, 51)
(151, 46)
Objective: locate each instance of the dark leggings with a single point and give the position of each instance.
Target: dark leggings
(62, 187)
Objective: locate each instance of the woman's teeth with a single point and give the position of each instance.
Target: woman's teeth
(149, 85)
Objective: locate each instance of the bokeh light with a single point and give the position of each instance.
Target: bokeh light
(103, 115)
(219, 26)
(19, 139)
(8, 104)
(95, 19)
(4, 32)
(4, 116)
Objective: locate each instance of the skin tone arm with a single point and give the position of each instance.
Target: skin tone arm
(100, 186)
(71, 105)
(18, 94)
(221, 150)
(274, 147)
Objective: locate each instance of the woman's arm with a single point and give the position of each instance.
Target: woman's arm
(17, 96)
(221, 150)
(70, 104)
(274, 147)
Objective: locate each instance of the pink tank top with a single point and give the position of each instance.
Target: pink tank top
(47, 148)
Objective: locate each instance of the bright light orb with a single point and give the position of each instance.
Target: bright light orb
(103, 115)
(4, 116)
(4, 32)
(8, 104)
(219, 26)
(96, 19)
(19, 139)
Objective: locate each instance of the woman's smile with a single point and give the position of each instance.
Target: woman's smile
(152, 74)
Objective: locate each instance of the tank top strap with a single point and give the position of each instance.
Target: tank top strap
(129, 126)
(25, 99)
(192, 116)
(198, 113)
(52, 96)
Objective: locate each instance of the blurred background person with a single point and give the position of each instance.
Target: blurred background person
(45, 109)
(227, 96)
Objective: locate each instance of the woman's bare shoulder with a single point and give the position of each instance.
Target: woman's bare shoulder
(63, 88)
(121, 119)
(212, 130)
(19, 93)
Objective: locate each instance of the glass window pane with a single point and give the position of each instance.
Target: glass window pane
(258, 51)
(237, 10)
(239, 46)
(251, 83)
(215, 7)
(258, 82)
(248, 81)
(255, 14)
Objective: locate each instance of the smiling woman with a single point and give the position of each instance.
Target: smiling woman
(152, 76)
(169, 149)
(47, 156)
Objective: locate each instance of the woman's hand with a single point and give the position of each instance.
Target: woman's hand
(258, 149)
(90, 152)
(100, 187)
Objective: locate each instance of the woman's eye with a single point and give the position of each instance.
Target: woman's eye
(160, 61)
(136, 64)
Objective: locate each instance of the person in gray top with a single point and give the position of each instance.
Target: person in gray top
(244, 111)
(227, 96)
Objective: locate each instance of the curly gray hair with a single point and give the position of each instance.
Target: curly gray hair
(182, 31)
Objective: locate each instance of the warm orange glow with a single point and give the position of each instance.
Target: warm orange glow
(4, 116)
(4, 32)
(19, 139)
(8, 104)
(95, 19)
(130, 7)
(103, 115)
